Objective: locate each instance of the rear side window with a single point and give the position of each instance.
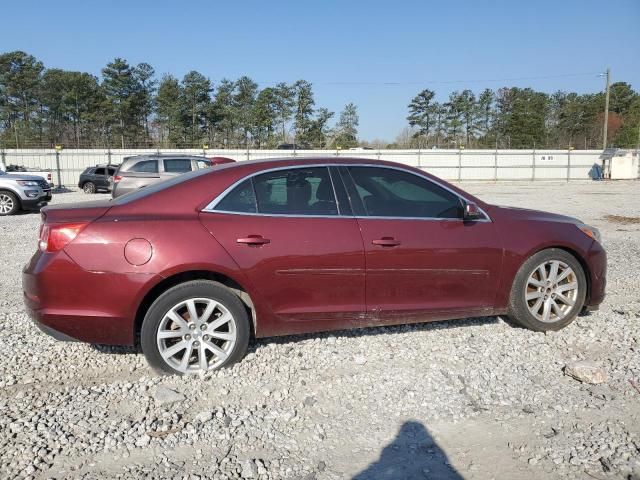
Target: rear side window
(112, 171)
(241, 199)
(177, 165)
(387, 192)
(297, 191)
(144, 166)
(99, 171)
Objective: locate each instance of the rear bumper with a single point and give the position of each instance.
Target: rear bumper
(69, 303)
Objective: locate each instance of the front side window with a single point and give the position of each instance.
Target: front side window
(297, 191)
(145, 166)
(177, 165)
(387, 192)
(99, 171)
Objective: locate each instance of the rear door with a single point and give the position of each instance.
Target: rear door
(99, 177)
(172, 167)
(422, 259)
(137, 173)
(298, 246)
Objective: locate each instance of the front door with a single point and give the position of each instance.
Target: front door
(422, 259)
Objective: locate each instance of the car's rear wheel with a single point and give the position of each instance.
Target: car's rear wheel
(89, 187)
(9, 204)
(194, 327)
(548, 291)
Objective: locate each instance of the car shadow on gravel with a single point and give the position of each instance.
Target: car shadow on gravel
(412, 454)
(386, 330)
(255, 343)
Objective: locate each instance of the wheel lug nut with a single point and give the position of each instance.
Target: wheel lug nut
(187, 337)
(192, 326)
(196, 344)
(203, 326)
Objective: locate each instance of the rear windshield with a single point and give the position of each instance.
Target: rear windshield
(158, 187)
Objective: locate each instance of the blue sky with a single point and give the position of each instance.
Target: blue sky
(377, 54)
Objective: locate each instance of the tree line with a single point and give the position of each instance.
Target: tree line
(523, 118)
(129, 107)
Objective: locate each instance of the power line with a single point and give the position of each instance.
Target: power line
(444, 82)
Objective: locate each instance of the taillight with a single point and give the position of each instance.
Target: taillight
(54, 237)
(117, 178)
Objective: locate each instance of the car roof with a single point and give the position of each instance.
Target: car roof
(268, 163)
(164, 155)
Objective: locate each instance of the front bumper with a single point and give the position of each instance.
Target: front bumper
(36, 203)
(597, 265)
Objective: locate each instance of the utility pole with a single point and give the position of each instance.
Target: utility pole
(606, 110)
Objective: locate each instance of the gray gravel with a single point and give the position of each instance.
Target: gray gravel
(476, 398)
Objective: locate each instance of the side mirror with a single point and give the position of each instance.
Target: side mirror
(472, 212)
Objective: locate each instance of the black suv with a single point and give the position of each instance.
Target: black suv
(97, 178)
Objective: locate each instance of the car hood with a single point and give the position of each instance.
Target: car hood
(21, 176)
(514, 213)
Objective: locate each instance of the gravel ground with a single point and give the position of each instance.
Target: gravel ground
(476, 398)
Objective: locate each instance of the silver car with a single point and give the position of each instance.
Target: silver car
(142, 170)
(20, 191)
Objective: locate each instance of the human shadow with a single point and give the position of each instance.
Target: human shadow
(413, 454)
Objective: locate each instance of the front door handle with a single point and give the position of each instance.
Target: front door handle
(253, 240)
(386, 242)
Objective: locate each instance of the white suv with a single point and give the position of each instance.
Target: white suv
(22, 192)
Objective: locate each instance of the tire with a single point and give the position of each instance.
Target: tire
(167, 328)
(9, 203)
(89, 188)
(535, 283)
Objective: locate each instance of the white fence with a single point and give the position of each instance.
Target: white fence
(455, 165)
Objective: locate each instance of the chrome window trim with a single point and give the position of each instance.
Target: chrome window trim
(210, 208)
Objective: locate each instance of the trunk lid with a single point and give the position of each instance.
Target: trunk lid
(75, 212)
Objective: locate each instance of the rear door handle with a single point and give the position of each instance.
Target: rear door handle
(253, 240)
(386, 242)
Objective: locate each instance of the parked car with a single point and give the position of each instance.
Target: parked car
(292, 146)
(196, 265)
(19, 191)
(97, 178)
(220, 160)
(143, 170)
(21, 170)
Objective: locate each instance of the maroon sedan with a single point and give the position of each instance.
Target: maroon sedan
(192, 267)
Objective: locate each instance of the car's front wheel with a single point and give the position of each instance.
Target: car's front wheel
(194, 327)
(9, 203)
(549, 291)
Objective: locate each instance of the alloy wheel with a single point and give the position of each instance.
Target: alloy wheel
(89, 187)
(551, 291)
(196, 335)
(6, 203)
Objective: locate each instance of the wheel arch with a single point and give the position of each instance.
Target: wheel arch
(571, 251)
(14, 193)
(185, 276)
